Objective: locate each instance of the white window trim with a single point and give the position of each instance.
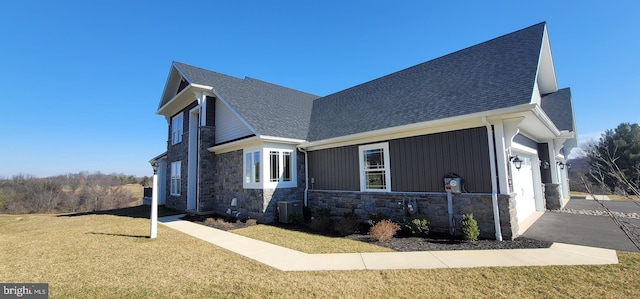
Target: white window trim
(177, 175)
(177, 131)
(252, 184)
(265, 165)
(387, 166)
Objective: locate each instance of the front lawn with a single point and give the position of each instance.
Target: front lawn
(108, 256)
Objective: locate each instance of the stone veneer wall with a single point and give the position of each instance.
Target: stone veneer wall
(431, 206)
(206, 170)
(177, 152)
(252, 203)
(552, 196)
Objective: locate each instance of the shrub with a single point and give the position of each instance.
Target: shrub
(377, 217)
(323, 213)
(348, 224)
(469, 227)
(251, 222)
(306, 214)
(384, 230)
(321, 221)
(296, 218)
(418, 227)
(218, 223)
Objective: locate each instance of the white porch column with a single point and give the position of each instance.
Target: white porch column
(154, 204)
(501, 158)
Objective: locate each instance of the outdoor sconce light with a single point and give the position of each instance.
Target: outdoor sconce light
(561, 165)
(517, 162)
(545, 164)
(155, 167)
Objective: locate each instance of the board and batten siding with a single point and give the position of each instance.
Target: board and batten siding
(334, 169)
(418, 164)
(228, 125)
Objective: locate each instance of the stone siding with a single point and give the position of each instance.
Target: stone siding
(252, 203)
(206, 171)
(552, 196)
(431, 206)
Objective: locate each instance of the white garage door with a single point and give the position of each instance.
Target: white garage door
(523, 186)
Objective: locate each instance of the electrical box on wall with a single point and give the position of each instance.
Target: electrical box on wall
(453, 185)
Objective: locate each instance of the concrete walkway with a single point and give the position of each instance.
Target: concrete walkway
(291, 260)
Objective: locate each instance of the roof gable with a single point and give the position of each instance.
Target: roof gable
(495, 74)
(268, 109)
(558, 108)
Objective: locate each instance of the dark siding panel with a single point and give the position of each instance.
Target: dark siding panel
(335, 169)
(418, 164)
(211, 111)
(543, 154)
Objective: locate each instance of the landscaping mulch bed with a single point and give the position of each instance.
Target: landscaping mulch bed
(432, 242)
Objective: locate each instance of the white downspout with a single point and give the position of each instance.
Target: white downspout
(494, 180)
(306, 175)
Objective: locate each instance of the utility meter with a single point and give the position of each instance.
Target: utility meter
(452, 185)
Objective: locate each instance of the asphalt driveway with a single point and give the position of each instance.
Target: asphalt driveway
(589, 230)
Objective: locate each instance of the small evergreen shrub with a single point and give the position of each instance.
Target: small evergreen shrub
(296, 218)
(306, 213)
(348, 224)
(320, 220)
(384, 230)
(377, 217)
(418, 227)
(469, 227)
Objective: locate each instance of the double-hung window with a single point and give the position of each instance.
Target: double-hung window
(374, 167)
(176, 181)
(176, 129)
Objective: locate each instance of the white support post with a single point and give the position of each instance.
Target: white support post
(154, 205)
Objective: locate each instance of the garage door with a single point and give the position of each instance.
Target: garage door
(523, 186)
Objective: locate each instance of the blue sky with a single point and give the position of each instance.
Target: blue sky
(80, 81)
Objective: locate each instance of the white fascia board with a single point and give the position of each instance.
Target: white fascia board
(252, 142)
(282, 140)
(181, 100)
(542, 116)
(235, 145)
(416, 129)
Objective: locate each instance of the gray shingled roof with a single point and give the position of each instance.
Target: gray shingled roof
(557, 106)
(270, 109)
(495, 74)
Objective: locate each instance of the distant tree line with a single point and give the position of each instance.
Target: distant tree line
(610, 165)
(75, 192)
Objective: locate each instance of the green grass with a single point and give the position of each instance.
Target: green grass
(109, 256)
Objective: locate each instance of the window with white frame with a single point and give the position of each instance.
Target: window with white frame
(251, 167)
(176, 181)
(374, 167)
(278, 171)
(176, 129)
(280, 166)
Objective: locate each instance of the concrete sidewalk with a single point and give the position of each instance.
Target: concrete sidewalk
(291, 260)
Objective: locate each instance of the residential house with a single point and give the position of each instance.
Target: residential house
(490, 115)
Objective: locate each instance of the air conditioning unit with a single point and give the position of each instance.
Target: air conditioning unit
(286, 209)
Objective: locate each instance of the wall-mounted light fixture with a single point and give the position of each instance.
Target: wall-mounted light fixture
(545, 164)
(561, 165)
(517, 162)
